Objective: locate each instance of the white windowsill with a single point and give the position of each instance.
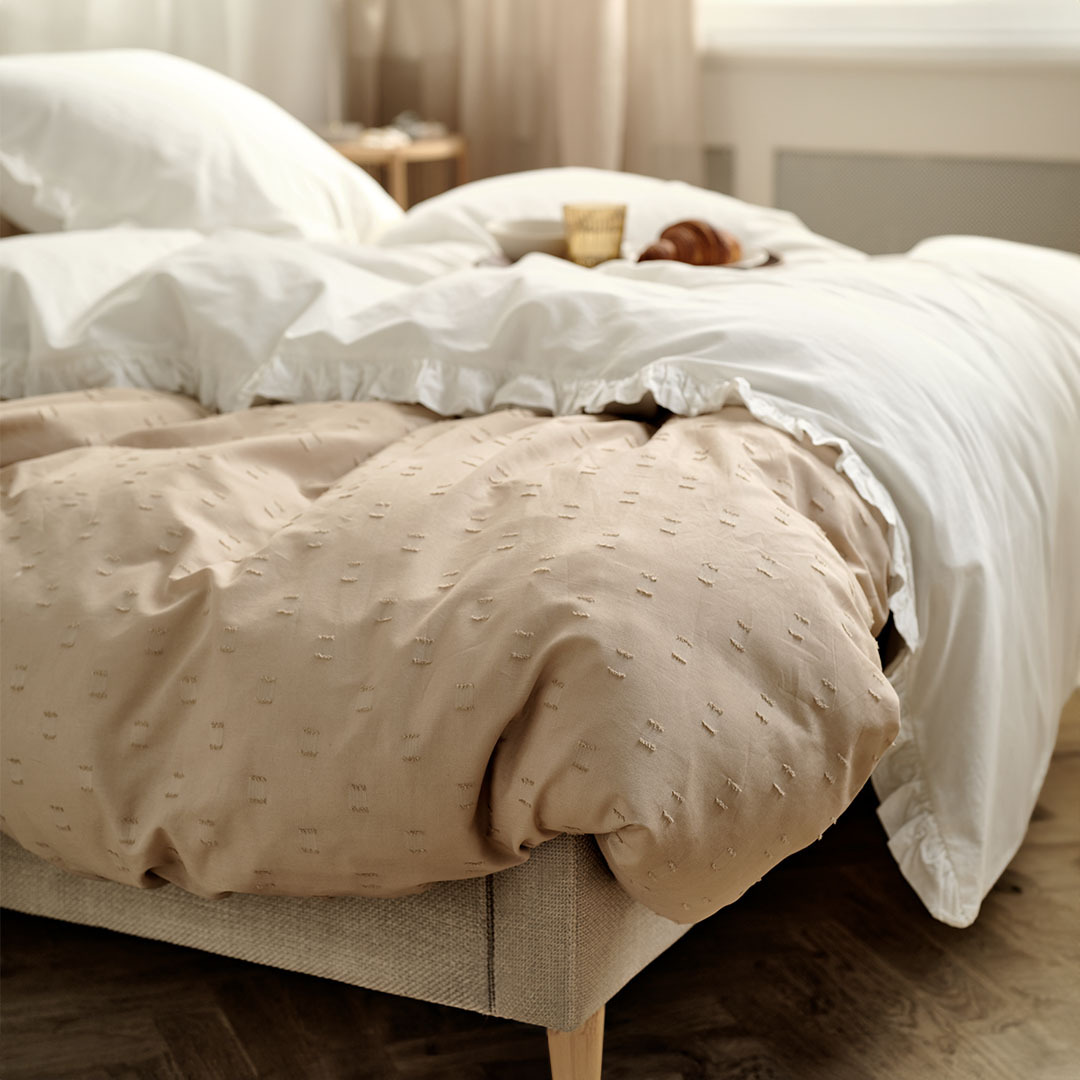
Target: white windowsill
(1009, 31)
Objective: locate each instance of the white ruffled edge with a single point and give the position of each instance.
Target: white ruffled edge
(906, 811)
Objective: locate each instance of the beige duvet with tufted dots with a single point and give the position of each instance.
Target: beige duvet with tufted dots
(356, 649)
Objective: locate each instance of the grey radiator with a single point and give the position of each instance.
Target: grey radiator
(884, 203)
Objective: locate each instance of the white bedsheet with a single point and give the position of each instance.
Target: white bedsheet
(950, 377)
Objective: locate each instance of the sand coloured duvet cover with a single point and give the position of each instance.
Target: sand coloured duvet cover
(354, 648)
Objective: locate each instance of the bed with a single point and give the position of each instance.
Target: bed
(468, 631)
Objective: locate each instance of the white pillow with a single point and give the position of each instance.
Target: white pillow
(462, 213)
(135, 137)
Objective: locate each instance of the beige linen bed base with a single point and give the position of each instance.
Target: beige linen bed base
(547, 942)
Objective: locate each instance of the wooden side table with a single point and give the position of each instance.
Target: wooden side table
(397, 159)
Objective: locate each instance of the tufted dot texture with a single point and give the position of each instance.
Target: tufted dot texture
(352, 648)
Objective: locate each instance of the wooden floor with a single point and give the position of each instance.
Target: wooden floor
(828, 970)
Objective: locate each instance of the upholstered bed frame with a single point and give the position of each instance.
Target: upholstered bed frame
(547, 942)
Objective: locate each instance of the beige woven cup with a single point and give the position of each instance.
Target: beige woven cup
(594, 231)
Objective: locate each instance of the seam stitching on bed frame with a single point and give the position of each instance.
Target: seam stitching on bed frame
(489, 905)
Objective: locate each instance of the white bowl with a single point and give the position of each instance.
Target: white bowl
(519, 236)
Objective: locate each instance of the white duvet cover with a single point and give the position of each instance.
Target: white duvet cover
(949, 378)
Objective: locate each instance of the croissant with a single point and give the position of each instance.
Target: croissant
(694, 242)
(662, 249)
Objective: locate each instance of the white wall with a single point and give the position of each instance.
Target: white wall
(1026, 110)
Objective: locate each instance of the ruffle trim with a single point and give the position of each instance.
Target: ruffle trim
(905, 809)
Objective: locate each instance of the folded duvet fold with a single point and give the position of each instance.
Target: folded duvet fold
(351, 648)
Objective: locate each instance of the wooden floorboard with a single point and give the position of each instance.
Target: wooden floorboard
(830, 969)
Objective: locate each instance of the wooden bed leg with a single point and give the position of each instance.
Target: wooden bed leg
(576, 1055)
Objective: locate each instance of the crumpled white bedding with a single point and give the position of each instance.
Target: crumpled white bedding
(949, 378)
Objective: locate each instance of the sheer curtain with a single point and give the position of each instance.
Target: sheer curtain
(287, 49)
(609, 83)
(532, 83)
